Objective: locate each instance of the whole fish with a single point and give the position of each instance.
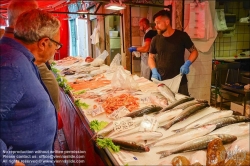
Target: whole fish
(228, 120)
(165, 91)
(189, 103)
(207, 118)
(184, 136)
(158, 99)
(197, 144)
(140, 136)
(241, 128)
(185, 113)
(168, 115)
(144, 111)
(131, 146)
(176, 103)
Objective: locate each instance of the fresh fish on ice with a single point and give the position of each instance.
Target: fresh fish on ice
(184, 136)
(176, 103)
(208, 118)
(131, 146)
(228, 120)
(158, 99)
(165, 91)
(144, 111)
(197, 144)
(140, 136)
(185, 113)
(189, 103)
(168, 115)
(237, 129)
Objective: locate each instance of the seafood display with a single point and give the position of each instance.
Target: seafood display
(152, 123)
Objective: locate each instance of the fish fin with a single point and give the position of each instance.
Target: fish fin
(179, 130)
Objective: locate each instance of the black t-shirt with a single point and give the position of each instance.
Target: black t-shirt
(149, 35)
(170, 53)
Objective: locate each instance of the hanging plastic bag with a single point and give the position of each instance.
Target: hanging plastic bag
(173, 83)
(122, 79)
(100, 59)
(116, 61)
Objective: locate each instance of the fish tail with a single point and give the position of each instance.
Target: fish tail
(167, 126)
(164, 153)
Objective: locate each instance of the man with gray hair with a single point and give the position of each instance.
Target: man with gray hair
(15, 8)
(28, 119)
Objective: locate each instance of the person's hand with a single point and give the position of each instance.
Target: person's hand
(131, 49)
(185, 68)
(155, 74)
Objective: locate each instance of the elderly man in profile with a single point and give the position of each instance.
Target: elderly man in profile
(28, 119)
(15, 8)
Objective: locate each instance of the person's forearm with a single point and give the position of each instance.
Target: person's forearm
(143, 49)
(193, 56)
(151, 61)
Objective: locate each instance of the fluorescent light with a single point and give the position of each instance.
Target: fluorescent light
(115, 6)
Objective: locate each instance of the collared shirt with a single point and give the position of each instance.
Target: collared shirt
(28, 120)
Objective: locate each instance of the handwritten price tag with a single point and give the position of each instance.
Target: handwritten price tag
(97, 111)
(149, 124)
(123, 124)
(120, 112)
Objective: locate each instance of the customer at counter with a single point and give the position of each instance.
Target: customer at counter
(28, 116)
(15, 8)
(170, 47)
(149, 33)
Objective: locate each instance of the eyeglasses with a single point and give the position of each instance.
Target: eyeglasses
(58, 45)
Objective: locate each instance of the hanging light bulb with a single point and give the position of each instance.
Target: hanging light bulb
(115, 6)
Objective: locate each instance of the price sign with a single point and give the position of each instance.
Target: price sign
(123, 124)
(149, 124)
(120, 112)
(145, 100)
(98, 110)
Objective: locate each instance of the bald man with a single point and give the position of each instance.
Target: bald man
(148, 35)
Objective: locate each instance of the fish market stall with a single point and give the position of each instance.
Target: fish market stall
(136, 121)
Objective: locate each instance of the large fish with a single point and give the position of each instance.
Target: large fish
(165, 91)
(228, 120)
(185, 113)
(207, 118)
(131, 146)
(140, 136)
(176, 103)
(241, 128)
(144, 111)
(197, 144)
(158, 99)
(167, 115)
(184, 136)
(189, 103)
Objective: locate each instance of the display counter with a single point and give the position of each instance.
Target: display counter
(79, 136)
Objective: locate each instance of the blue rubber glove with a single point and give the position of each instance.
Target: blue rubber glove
(131, 49)
(155, 74)
(185, 68)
